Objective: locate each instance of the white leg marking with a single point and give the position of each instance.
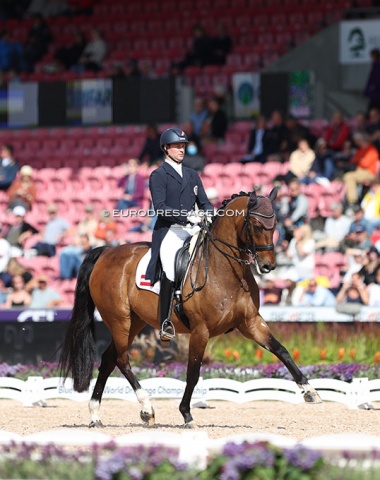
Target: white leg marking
(143, 398)
(94, 407)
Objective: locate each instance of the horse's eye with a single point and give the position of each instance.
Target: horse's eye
(257, 229)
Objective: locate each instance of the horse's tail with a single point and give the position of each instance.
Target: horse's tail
(78, 348)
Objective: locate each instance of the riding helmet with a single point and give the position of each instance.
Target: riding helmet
(173, 135)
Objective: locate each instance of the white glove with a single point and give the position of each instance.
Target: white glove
(194, 218)
(209, 217)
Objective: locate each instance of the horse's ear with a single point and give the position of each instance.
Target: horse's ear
(252, 202)
(273, 194)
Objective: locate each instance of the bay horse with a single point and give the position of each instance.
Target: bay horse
(223, 296)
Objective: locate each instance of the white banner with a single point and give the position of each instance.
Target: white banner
(246, 91)
(89, 101)
(320, 314)
(357, 39)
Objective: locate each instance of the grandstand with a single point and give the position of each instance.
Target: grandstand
(74, 166)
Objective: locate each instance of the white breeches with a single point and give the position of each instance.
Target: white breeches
(170, 245)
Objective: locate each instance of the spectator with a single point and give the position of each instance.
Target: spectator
(44, 296)
(4, 292)
(93, 54)
(371, 264)
(289, 292)
(324, 163)
(373, 127)
(55, 229)
(146, 224)
(337, 132)
(133, 184)
(300, 163)
(335, 229)
(22, 191)
(71, 258)
(215, 127)
(315, 295)
(257, 150)
(293, 208)
(296, 132)
(8, 167)
(11, 53)
(360, 220)
(87, 226)
(221, 45)
(105, 223)
(193, 158)
(13, 269)
(110, 238)
(116, 71)
(5, 250)
(37, 42)
(365, 162)
(19, 231)
(301, 252)
(371, 204)
(354, 292)
(131, 69)
(151, 152)
(372, 88)
(201, 53)
(271, 294)
(374, 291)
(68, 55)
(19, 297)
(198, 117)
(276, 138)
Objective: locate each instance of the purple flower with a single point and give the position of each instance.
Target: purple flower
(302, 458)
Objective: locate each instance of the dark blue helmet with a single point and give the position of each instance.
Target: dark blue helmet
(173, 135)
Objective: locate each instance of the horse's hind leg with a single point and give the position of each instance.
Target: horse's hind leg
(259, 331)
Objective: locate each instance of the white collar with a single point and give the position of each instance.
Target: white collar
(177, 166)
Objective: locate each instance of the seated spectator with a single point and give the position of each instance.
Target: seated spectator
(360, 220)
(37, 42)
(373, 127)
(111, 239)
(371, 264)
(11, 53)
(335, 229)
(151, 152)
(19, 231)
(374, 291)
(93, 54)
(221, 45)
(4, 292)
(277, 138)
(5, 250)
(215, 126)
(68, 55)
(201, 53)
(257, 150)
(146, 224)
(22, 191)
(271, 295)
(315, 295)
(354, 292)
(53, 234)
(289, 295)
(8, 167)
(337, 132)
(13, 269)
(71, 258)
(296, 132)
(194, 158)
(19, 297)
(105, 223)
(301, 253)
(86, 226)
(371, 204)
(324, 163)
(44, 296)
(133, 184)
(365, 167)
(198, 116)
(300, 163)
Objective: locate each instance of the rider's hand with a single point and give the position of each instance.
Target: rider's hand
(194, 218)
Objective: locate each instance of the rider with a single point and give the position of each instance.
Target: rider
(175, 189)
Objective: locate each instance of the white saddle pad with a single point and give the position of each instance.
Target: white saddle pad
(140, 275)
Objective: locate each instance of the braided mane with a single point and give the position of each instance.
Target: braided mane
(233, 196)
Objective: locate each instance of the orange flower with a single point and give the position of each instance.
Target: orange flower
(353, 353)
(228, 352)
(341, 353)
(236, 354)
(259, 353)
(377, 357)
(323, 354)
(296, 354)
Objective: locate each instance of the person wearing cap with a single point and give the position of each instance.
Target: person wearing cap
(19, 231)
(55, 229)
(359, 219)
(8, 166)
(175, 190)
(23, 189)
(44, 296)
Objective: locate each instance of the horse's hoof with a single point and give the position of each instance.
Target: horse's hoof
(191, 425)
(312, 397)
(148, 418)
(96, 424)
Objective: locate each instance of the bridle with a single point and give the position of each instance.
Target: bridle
(250, 249)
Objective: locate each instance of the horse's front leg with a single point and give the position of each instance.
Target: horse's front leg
(197, 345)
(258, 330)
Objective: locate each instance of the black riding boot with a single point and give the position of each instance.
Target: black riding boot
(167, 331)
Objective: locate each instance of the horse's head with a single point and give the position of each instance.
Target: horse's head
(258, 229)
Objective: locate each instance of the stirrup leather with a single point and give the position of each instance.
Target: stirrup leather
(167, 331)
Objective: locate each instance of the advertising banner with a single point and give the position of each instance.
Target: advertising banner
(357, 39)
(246, 94)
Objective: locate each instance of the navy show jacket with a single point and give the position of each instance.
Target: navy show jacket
(173, 197)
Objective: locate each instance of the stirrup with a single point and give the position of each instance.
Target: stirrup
(167, 331)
